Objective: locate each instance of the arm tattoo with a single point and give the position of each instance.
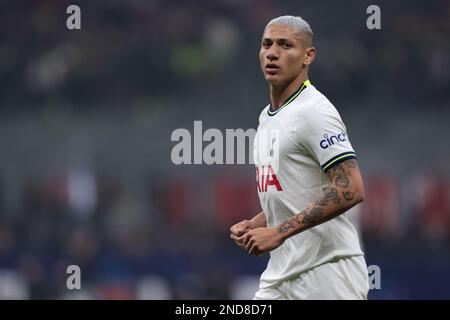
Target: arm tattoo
(285, 226)
(342, 180)
(348, 195)
(306, 217)
(340, 176)
(351, 163)
(299, 217)
(314, 216)
(330, 194)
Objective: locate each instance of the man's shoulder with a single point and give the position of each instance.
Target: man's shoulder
(315, 103)
(314, 97)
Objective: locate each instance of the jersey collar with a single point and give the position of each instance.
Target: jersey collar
(272, 112)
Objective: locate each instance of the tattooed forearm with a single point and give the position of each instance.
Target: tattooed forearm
(314, 216)
(305, 218)
(285, 226)
(343, 192)
(299, 217)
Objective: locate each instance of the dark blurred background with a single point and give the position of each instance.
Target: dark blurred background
(86, 116)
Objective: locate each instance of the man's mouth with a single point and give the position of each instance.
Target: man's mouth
(272, 68)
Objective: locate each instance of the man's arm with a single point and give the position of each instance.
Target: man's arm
(258, 221)
(241, 228)
(345, 190)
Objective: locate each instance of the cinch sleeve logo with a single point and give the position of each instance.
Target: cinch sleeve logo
(329, 141)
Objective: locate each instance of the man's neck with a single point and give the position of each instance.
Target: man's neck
(279, 94)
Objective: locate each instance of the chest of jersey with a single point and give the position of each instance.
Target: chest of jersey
(273, 151)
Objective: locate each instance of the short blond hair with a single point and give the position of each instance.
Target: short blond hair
(297, 23)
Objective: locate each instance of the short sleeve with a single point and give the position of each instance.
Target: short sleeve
(323, 134)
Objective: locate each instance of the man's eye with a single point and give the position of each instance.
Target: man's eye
(266, 45)
(286, 45)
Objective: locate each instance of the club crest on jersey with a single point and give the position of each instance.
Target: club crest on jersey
(331, 140)
(266, 177)
(266, 149)
(274, 139)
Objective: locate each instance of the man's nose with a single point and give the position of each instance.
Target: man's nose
(272, 54)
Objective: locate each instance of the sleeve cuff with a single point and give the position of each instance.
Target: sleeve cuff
(338, 159)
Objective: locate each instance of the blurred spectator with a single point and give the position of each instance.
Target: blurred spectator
(381, 209)
(433, 210)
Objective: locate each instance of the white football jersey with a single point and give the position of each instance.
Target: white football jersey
(293, 148)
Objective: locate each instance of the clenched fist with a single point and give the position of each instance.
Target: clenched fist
(260, 240)
(238, 230)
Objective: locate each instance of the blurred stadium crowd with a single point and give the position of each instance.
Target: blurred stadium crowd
(85, 123)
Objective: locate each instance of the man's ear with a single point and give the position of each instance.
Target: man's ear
(310, 54)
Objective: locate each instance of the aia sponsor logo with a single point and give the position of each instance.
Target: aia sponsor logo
(265, 178)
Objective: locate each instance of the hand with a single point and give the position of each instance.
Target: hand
(261, 240)
(238, 230)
